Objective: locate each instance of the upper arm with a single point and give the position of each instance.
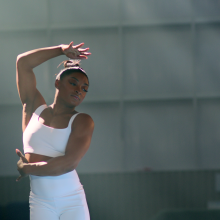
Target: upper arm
(79, 139)
(26, 84)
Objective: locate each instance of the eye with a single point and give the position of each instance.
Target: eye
(72, 83)
(85, 90)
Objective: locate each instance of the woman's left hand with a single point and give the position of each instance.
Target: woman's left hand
(75, 51)
(20, 164)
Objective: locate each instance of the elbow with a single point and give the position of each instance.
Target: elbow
(23, 62)
(20, 60)
(70, 167)
(20, 57)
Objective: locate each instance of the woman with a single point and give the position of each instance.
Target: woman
(55, 137)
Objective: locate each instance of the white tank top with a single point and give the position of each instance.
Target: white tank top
(41, 139)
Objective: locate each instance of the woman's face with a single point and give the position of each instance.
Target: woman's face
(72, 88)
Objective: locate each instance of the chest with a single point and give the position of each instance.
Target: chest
(57, 121)
(43, 138)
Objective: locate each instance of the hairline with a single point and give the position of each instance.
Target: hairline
(69, 71)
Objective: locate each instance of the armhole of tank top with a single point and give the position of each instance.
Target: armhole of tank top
(72, 119)
(40, 109)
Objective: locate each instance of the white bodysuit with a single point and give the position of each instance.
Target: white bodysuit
(53, 197)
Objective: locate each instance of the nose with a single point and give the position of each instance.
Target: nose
(78, 91)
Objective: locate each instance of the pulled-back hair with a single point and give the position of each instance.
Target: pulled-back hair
(70, 66)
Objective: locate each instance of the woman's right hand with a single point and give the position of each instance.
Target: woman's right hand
(75, 51)
(20, 164)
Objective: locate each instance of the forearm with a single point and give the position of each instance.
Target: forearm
(33, 58)
(54, 167)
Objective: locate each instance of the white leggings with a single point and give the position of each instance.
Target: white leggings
(69, 207)
(58, 198)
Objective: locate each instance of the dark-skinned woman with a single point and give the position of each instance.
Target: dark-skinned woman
(55, 137)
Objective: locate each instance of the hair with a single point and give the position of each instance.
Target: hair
(70, 66)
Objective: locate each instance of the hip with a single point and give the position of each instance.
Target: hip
(53, 186)
(72, 206)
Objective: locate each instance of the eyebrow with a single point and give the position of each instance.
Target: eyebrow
(78, 80)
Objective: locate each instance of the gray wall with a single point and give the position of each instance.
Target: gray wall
(154, 74)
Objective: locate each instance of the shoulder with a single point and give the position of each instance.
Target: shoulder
(83, 123)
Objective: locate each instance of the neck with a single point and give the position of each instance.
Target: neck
(59, 107)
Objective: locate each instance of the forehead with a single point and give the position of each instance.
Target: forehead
(78, 76)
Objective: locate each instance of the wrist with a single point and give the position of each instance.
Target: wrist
(61, 49)
(26, 168)
(34, 168)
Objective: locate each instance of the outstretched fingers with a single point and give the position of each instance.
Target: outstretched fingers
(78, 45)
(18, 152)
(83, 49)
(75, 51)
(71, 44)
(82, 57)
(83, 53)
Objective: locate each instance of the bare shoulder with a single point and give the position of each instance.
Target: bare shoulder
(83, 123)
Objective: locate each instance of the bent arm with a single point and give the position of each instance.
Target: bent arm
(77, 146)
(26, 62)
(33, 58)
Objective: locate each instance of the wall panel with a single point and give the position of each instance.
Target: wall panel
(209, 130)
(206, 9)
(159, 136)
(207, 59)
(11, 138)
(83, 12)
(11, 46)
(139, 11)
(23, 14)
(158, 61)
(105, 153)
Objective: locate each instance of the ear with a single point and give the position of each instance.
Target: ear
(57, 83)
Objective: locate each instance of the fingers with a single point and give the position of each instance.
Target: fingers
(71, 44)
(82, 57)
(18, 178)
(76, 52)
(86, 53)
(78, 45)
(18, 152)
(83, 50)
(22, 157)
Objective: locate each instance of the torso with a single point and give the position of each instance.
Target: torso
(47, 119)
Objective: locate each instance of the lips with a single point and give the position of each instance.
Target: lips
(76, 97)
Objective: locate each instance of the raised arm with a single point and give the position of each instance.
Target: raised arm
(26, 81)
(78, 144)
(26, 62)
(30, 97)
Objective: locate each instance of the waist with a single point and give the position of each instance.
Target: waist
(52, 186)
